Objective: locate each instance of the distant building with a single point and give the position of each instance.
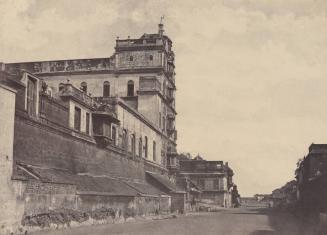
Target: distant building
(285, 196)
(312, 180)
(212, 179)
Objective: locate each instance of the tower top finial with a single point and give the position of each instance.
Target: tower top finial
(161, 29)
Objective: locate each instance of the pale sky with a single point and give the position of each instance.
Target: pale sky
(251, 74)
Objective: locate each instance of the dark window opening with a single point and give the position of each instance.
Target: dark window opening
(140, 147)
(130, 88)
(131, 58)
(146, 147)
(84, 87)
(77, 119)
(87, 123)
(151, 57)
(154, 151)
(125, 140)
(113, 135)
(106, 89)
(133, 145)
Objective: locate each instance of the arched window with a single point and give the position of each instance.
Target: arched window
(106, 89)
(140, 147)
(151, 57)
(133, 145)
(61, 86)
(84, 87)
(125, 140)
(130, 88)
(146, 147)
(131, 58)
(154, 151)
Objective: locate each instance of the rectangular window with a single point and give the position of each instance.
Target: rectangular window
(31, 96)
(154, 151)
(113, 135)
(106, 89)
(87, 128)
(77, 119)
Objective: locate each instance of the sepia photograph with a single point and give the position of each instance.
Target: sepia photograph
(163, 117)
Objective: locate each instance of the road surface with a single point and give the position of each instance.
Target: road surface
(241, 221)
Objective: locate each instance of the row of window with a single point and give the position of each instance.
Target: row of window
(78, 120)
(142, 149)
(131, 58)
(211, 184)
(106, 88)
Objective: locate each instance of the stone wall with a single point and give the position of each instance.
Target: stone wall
(41, 197)
(38, 144)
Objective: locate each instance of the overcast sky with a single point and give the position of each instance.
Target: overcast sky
(251, 74)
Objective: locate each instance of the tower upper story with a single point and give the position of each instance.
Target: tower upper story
(152, 52)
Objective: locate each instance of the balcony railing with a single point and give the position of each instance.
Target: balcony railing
(68, 90)
(139, 42)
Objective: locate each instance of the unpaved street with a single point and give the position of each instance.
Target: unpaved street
(228, 222)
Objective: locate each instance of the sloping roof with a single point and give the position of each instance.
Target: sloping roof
(85, 184)
(145, 188)
(164, 181)
(49, 175)
(90, 184)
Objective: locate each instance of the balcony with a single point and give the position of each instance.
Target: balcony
(69, 91)
(138, 43)
(102, 140)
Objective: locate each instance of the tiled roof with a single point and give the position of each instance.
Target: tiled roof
(164, 181)
(145, 188)
(107, 185)
(85, 183)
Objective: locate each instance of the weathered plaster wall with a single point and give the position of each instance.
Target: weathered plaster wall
(150, 107)
(10, 206)
(42, 197)
(137, 59)
(72, 104)
(140, 130)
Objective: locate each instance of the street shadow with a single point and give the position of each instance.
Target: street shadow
(263, 232)
(285, 223)
(253, 211)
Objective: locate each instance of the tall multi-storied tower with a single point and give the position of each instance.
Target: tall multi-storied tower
(142, 74)
(150, 60)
